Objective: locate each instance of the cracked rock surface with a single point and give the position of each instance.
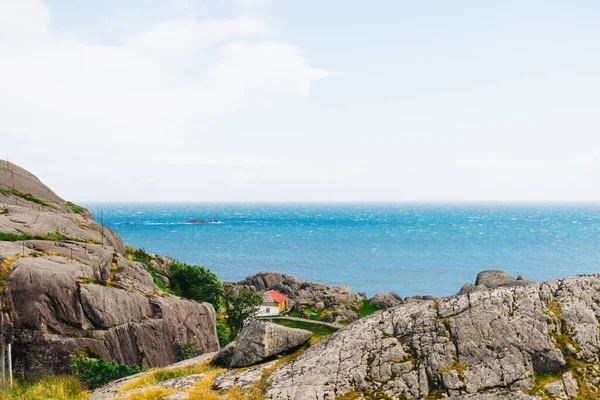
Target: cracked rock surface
(58, 296)
(486, 344)
(260, 341)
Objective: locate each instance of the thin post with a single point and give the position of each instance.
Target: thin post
(23, 249)
(71, 256)
(102, 224)
(3, 367)
(10, 378)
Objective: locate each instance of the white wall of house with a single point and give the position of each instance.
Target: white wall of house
(267, 311)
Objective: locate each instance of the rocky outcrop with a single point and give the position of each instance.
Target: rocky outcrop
(71, 287)
(487, 344)
(242, 378)
(324, 302)
(383, 301)
(260, 341)
(492, 279)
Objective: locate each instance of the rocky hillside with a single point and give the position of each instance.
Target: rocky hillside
(66, 284)
(519, 340)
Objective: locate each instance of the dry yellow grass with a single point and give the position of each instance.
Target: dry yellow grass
(152, 393)
(162, 374)
(48, 388)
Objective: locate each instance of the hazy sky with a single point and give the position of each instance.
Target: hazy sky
(303, 100)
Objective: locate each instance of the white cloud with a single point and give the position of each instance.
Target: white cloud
(147, 92)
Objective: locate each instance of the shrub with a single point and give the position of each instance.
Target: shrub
(240, 303)
(95, 372)
(187, 350)
(195, 283)
(223, 334)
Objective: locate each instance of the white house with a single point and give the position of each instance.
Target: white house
(268, 307)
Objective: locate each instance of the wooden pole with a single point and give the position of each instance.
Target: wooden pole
(10, 378)
(3, 367)
(102, 224)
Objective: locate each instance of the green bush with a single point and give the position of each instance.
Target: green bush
(195, 283)
(187, 350)
(239, 304)
(223, 334)
(95, 372)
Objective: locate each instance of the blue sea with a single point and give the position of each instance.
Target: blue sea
(408, 249)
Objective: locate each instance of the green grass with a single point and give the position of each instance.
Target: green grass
(139, 255)
(367, 308)
(319, 331)
(158, 282)
(55, 236)
(75, 208)
(26, 196)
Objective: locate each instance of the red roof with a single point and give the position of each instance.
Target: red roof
(278, 297)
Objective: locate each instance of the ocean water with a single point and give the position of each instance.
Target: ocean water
(408, 249)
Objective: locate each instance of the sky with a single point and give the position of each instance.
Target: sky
(265, 100)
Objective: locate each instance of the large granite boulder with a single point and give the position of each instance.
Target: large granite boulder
(492, 279)
(57, 296)
(487, 344)
(495, 278)
(260, 341)
(384, 301)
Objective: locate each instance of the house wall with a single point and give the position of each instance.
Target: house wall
(267, 311)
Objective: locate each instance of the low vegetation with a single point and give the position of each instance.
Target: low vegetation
(367, 308)
(75, 208)
(95, 372)
(152, 393)
(187, 350)
(138, 255)
(50, 387)
(26, 196)
(157, 375)
(55, 236)
(319, 331)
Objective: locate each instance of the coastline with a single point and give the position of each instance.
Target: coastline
(401, 254)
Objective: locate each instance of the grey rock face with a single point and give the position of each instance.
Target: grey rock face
(259, 341)
(495, 278)
(56, 311)
(386, 300)
(242, 378)
(65, 295)
(303, 293)
(487, 344)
